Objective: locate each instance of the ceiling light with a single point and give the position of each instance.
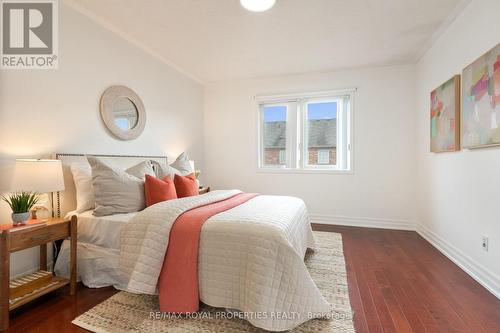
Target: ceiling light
(257, 5)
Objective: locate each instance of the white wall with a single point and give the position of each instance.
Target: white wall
(48, 111)
(42, 112)
(380, 193)
(458, 193)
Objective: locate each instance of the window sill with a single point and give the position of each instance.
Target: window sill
(305, 171)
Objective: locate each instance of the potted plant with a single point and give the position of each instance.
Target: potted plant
(21, 204)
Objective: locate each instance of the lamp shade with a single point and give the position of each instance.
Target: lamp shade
(31, 175)
(257, 5)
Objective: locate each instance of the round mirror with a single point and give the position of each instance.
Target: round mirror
(123, 112)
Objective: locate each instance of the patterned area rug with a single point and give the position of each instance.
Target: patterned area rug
(125, 312)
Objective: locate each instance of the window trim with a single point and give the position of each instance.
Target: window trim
(296, 163)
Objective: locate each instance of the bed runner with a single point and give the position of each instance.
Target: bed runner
(178, 281)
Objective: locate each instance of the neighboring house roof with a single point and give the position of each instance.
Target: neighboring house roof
(275, 134)
(322, 133)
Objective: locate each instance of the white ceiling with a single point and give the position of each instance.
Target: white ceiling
(218, 40)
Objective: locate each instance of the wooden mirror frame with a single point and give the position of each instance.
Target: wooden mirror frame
(106, 107)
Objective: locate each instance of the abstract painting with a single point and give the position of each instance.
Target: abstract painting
(481, 101)
(445, 116)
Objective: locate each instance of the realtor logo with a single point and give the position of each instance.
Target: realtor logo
(29, 34)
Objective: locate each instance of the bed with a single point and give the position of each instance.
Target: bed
(250, 257)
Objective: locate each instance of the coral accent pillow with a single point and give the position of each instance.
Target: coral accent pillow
(158, 190)
(186, 186)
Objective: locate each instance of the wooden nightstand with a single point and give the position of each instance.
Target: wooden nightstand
(204, 189)
(13, 239)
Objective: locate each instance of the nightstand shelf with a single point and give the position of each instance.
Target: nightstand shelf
(28, 283)
(54, 283)
(20, 291)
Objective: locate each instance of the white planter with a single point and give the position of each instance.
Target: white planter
(20, 218)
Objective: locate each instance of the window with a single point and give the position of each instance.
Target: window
(282, 158)
(274, 134)
(306, 131)
(321, 132)
(324, 156)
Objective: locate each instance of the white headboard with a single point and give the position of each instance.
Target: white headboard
(65, 201)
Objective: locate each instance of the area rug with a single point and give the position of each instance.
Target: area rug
(126, 312)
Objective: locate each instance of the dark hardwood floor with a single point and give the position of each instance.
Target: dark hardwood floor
(55, 311)
(397, 283)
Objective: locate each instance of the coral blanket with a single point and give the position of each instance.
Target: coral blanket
(178, 281)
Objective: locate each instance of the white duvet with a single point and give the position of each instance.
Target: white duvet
(250, 257)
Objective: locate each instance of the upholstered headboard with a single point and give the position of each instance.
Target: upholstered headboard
(65, 201)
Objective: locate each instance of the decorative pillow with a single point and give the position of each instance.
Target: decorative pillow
(116, 191)
(186, 186)
(180, 166)
(158, 190)
(141, 170)
(165, 170)
(82, 175)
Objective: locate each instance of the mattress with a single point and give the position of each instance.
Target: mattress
(103, 231)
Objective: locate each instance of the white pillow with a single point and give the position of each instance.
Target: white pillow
(180, 166)
(118, 191)
(163, 170)
(82, 175)
(141, 170)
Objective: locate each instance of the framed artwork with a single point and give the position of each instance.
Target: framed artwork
(445, 116)
(481, 101)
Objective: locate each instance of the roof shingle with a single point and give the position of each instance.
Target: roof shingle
(322, 133)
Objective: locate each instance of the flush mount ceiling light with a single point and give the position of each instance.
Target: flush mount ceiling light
(257, 5)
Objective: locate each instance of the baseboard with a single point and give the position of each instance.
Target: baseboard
(367, 222)
(478, 272)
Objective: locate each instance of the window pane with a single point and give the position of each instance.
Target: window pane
(322, 133)
(323, 156)
(274, 135)
(282, 158)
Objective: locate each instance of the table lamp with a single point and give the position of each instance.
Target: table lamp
(37, 175)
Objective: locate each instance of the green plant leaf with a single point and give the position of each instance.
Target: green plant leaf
(21, 202)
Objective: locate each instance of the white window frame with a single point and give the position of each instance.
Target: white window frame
(297, 161)
(291, 122)
(305, 134)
